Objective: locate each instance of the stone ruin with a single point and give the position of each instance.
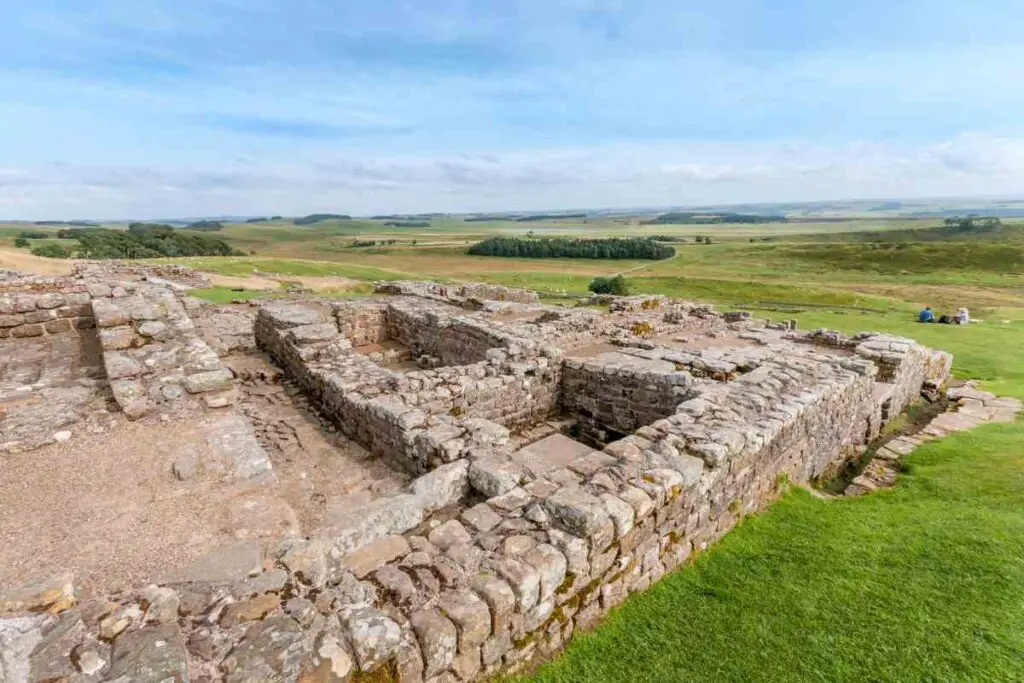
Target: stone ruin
(439, 483)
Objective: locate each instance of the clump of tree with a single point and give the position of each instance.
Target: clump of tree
(33, 235)
(668, 238)
(318, 217)
(141, 240)
(53, 251)
(691, 218)
(549, 217)
(564, 247)
(84, 224)
(617, 285)
(702, 239)
(206, 226)
(407, 224)
(486, 218)
(21, 242)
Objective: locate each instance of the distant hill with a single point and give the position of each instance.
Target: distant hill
(318, 217)
(960, 229)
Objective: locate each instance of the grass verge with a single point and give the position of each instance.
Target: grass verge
(924, 582)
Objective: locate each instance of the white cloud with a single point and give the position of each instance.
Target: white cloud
(613, 175)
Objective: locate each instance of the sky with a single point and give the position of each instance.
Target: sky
(146, 108)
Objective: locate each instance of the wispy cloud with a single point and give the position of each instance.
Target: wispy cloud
(460, 101)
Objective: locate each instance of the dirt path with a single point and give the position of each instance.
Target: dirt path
(20, 259)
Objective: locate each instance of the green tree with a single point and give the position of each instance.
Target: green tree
(21, 242)
(617, 285)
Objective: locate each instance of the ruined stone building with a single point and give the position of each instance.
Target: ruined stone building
(435, 483)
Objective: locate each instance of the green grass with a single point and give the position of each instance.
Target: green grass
(924, 582)
(226, 295)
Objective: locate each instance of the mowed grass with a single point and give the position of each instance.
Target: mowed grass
(924, 582)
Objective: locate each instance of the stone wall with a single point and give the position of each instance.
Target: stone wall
(393, 416)
(483, 566)
(618, 393)
(435, 332)
(34, 314)
(362, 322)
(467, 293)
(153, 354)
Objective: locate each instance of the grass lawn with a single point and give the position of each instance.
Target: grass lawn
(924, 582)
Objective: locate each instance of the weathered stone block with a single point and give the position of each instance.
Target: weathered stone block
(375, 637)
(27, 331)
(470, 614)
(376, 554)
(214, 380)
(438, 640)
(449, 534)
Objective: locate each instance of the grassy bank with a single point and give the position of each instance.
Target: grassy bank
(921, 583)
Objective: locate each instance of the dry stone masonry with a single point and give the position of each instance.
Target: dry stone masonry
(548, 462)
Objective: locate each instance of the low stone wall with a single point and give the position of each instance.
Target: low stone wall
(34, 314)
(130, 270)
(619, 393)
(153, 354)
(408, 419)
(436, 332)
(362, 322)
(457, 292)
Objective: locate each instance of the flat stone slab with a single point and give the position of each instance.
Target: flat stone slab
(232, 436)
(551, 453)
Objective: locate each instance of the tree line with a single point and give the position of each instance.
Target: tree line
(317, 217)
(690, 218)
(564, 247)
(141, 240)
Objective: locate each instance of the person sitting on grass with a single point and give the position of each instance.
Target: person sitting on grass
(963, 317)
(926, 316)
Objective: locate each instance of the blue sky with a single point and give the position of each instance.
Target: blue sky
(139, 108)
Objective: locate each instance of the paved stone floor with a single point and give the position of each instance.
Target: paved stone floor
(316, 467)
(47, 385)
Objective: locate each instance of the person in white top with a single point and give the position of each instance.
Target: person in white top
(963, 317)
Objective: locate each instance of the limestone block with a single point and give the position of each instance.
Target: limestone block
(438, 639)
(375, 637)
(120, 365)
(551, 565)
(151, 654)
(470, 614)
(444, 486)
(270, 650)
(130, 394)
(116, 338)
(374, 555)
(495, 475)
(524, 580)
(576, 511)
(109, 313)
(449, 534)
(27, 331)
(481, 517)
(214, 380)
(499, 596)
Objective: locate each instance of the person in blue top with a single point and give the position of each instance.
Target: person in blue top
(926, 316)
